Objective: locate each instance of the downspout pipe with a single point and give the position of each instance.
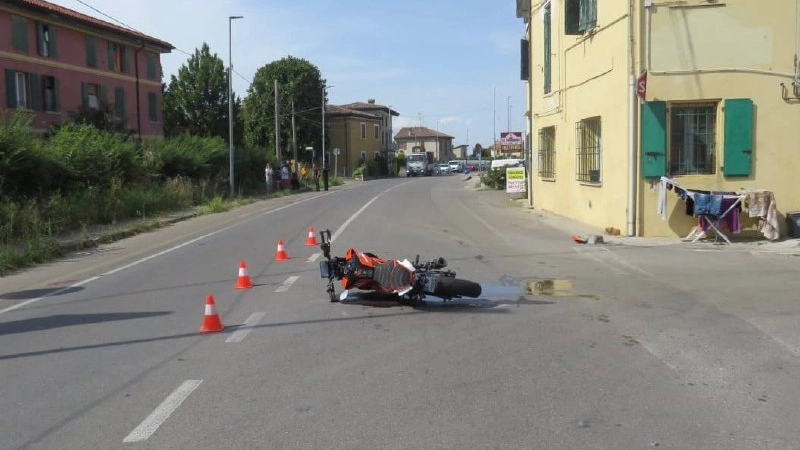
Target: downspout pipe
(138, 101)
(633, 179)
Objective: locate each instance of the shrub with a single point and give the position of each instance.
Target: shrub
(93, 158)
(495, 178)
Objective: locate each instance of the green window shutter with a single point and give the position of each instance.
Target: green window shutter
(152, 107)
(91, 51)
(110, 56)
(126, 63)
(524, 59)
(40, 42)
(19, 34)
(738, 152)
(36, 92)
(85, 94)
(56, 95)
(588, 15)
(572, 16)
(119, 103)
(11, 88)
(103, 100)
(51, 43)
(151, 67)
(654, 139)
(547, 48)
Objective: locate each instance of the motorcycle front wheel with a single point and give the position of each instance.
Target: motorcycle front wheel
(448, 287)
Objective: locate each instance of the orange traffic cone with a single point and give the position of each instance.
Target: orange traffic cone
(311, 241)
(280, 254)
(243, 282)
(211, 321)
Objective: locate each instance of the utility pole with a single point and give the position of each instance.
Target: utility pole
(294, 140)
(494, 117)
(230, 102)
(277, 127)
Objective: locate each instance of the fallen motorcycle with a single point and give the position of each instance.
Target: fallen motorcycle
(409, 282)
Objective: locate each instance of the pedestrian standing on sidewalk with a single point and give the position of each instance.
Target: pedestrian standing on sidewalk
(269, 174)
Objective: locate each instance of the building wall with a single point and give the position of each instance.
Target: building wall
(589, 79)
(748, 55)
(71, 71)
(442, 150)
(345, 133)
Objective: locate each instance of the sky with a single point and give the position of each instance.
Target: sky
(449, 65)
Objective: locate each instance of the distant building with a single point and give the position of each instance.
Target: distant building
(55, 60)
(440, 144)
(360, 131)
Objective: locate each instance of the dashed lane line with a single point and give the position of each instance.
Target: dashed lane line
(287, 284)
(244, 330)
(162, 412)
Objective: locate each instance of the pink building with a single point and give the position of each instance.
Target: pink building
(53, 60)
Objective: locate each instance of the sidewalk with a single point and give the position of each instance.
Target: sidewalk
(571, 227)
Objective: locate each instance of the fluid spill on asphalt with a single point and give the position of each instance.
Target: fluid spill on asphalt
(551, 288)
(516, 288)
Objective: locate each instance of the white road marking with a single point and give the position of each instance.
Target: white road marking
(287, 284)
(148, 258)
(164, 410)
(244, 330)
(313, 257)
(353, 217)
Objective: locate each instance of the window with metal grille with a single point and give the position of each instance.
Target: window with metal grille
(588, 150)
(547, 152)
(692, 138)
(547, 50)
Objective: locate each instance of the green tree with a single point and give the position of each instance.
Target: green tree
(298, 81)
(196, 101)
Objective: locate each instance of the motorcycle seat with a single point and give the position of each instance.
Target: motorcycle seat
(392, 275)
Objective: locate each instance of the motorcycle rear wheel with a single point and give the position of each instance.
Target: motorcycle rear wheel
(448, 287)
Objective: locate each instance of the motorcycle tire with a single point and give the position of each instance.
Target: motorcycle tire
(448, 287)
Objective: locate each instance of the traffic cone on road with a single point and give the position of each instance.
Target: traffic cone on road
(211, 321)
(311, 240)
(243, 281)
(280, 254)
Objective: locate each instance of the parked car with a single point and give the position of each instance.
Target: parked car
(441, 169)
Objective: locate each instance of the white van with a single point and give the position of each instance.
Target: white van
(498, 163)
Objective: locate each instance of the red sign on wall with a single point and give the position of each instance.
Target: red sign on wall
(641, 86)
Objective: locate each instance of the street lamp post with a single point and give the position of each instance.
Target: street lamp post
(324, 92)
(508, 113)
(230, 101)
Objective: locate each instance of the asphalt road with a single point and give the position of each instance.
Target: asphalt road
(571, 346)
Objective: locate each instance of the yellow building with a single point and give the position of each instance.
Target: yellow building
(359, 131)
(621, 93)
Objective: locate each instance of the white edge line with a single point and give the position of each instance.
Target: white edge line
(162, 412)
(313, 257)
(145, 259)
(241, 333)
